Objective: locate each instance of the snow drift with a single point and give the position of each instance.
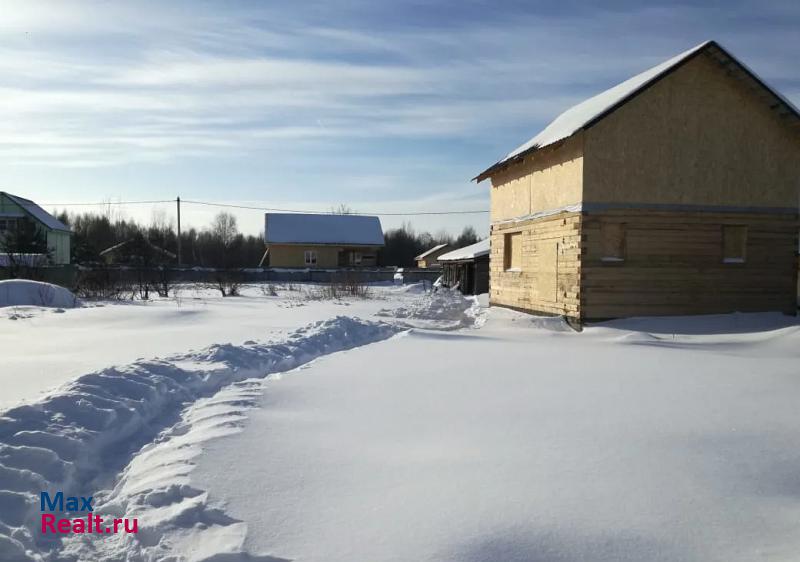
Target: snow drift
(24, 292)
(446, 309)
(79, 437)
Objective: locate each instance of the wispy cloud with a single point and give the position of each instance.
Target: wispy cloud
(325, 96)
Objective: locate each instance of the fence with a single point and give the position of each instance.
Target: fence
(67, 276)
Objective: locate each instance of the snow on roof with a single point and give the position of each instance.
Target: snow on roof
(467, 252)
(585, 113)
(121, 245)
(38, 213)
(429, 252)
(298, 228)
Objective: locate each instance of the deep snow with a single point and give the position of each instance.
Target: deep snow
(73, 438)
(43, 349)
(525, 441)
(476, 436)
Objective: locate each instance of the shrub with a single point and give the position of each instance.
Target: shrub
(229, 283)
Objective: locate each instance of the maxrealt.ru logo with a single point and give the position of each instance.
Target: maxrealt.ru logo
(88, 523)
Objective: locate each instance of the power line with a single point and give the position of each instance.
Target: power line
(107, 203)
(316, 212)
(273, 209)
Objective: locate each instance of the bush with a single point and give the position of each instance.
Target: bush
(345, 285)
(102, 283)
(229, 283)
(269, 290)
(163, 281)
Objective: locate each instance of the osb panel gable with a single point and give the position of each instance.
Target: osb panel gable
(698, 137)
(547, 179)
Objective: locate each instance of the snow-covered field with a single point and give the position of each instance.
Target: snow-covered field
(439, 431)
(48, 346)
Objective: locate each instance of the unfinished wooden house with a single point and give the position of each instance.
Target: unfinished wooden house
(674, 192)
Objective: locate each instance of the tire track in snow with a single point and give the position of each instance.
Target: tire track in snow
(77, 438)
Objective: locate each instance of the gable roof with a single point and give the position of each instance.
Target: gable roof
(37, 212)
(121, 245)
(298, 228)
(431, 251)
(467, 252)
(587, 113)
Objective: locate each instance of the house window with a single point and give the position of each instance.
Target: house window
(613, 239)
(734, 244)
(7, 224)
(3, 225)
(310, 257)
(512, 252)
(355, 258)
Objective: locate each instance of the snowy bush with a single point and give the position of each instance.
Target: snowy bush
(269, 290)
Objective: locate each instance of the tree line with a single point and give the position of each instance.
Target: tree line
(219, 245)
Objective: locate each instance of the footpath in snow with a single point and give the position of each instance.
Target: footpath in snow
(45, 346)
(69, 440)
(79, 437)
(644, 440)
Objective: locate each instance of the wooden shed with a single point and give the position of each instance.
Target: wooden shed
(467, 268)
(429, 259)
(674, 192)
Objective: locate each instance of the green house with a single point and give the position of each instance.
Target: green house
(14, 210)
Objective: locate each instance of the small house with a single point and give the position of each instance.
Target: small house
(317, 240)
(138, 251)
(467, 268)
(674, 192)
(32, 226)
(430, 258)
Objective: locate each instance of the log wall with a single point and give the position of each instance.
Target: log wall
(548, 279)
(674, 265)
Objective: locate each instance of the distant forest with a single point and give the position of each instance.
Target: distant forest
(220, 244)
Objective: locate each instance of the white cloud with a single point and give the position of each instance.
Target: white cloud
(91, 88)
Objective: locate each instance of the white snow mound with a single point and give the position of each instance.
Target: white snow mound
(24, 292)
(446, 309)
(82, 433)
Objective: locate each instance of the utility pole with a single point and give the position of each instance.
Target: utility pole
(178, 200)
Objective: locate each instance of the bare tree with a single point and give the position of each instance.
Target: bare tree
(112, 211)
(224, 228)
(161, 224)
(342, 209)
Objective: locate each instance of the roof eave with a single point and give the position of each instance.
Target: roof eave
(349, 244)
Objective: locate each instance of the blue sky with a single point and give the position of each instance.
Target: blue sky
(383, 106)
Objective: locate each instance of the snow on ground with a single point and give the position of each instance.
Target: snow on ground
(42, 349)
(513, 438)
(27, 293)
(673, 440)
(444, 310)
(80, 435)
(69, 439)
